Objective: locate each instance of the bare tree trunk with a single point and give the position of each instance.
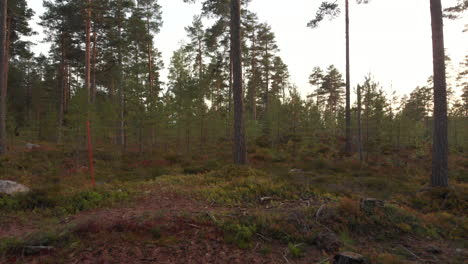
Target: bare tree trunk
(93, 82)
(240, 156)
(3, 75)
(150, 71)
(230, 96)
(359, 109)
(252, 92)
(88, 52)
(440, 141)
(67, 85)
(63, 91)
(267, 93)
(121, 123)
(348, 86)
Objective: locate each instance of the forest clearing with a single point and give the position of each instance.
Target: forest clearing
(105, 159)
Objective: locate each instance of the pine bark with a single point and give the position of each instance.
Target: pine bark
(348, 86)
(63, 90)
(93, 66)
(252, 92)
(359, 110)
(88, 52)
(239, 125)
(3, 75)
(439, 176)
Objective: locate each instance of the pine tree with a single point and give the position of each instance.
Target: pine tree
(268, 47)
(439, 176)
(240, 156)
(3, 75)
(332, 10)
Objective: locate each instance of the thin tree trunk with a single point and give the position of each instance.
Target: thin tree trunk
(150, 71)
(3, 75)
(231, 83)
(63, 92)
(348, 86)
(267, 95)
(200, 78)
(440, 141)
(121, 125)
(252, 93)
(66, 85)
(88, 52)
(359, 123)
(367, 124)
(94, 60)
(240, 156)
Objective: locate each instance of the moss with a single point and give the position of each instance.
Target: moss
(60, 202)
(234, 171)
(10, 246)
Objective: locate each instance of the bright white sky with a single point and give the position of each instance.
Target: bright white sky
(390, 39)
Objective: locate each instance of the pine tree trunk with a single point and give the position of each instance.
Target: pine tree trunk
(348, 86)
(3, 76)
(88, 52)
(267, 94)
(7, 61)
(359, 122)
(150, 71)
(63, 91)
(94, 58)
(253, 92)
(440, 141)
(121, 122)
(239, 126)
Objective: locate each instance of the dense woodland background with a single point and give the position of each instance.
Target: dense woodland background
(130, 106)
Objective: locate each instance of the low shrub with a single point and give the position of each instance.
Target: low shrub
(239, 234)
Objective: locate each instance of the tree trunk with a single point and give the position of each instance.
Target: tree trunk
(240, 156)
(7, 61)
(253, 90)
(267, 92)
(348, 87)
(359, 122)
(440, 141)
(88, 52)
(3, 76)
(63, 90)
(150, 71)
(121, 122)
(93, 82)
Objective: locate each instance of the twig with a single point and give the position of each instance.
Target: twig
(264, 237)
(323, 261)
(212, 217)
(317, 214)
(409, 251)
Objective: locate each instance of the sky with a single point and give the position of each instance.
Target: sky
(391, 40)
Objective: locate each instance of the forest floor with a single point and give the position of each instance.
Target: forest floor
(174, 209)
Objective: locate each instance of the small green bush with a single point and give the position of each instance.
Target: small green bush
(295, 250)
(239, 234)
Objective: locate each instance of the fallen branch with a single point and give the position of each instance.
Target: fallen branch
(409, 251)
(264, 237)
(323, 261)
(212, 217)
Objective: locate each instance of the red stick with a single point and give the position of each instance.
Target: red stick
(90, 153)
